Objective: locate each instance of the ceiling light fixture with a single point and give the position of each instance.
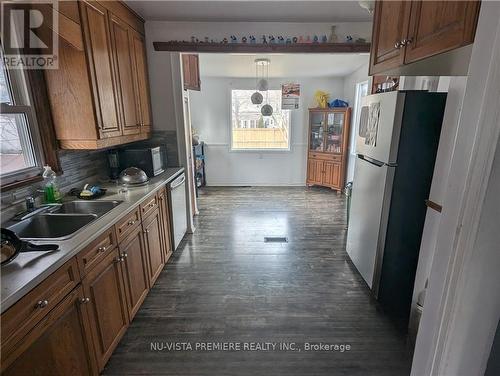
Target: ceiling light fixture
(262, 84)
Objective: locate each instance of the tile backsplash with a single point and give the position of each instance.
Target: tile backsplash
(79, 167)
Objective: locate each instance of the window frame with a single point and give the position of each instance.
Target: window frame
(258, 151)
(29, 87)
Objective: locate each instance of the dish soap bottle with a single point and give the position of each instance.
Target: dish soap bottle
(51, 192)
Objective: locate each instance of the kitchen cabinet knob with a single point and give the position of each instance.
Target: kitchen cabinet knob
(124, 255)
(102, 249)
(84, 300)
(406, 42)
(146, 231)
(151, 205)
(130, 223)
(398, 45)
(119, 259)
(42, 304)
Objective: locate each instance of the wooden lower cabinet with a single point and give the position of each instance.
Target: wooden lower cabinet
(153, 239)
(331, 174)
(60, 344)
(107, 306)
(135, 270)
(324, 173)
(72, 321)
(314, 171)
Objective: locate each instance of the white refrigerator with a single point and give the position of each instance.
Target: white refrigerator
(396, 146)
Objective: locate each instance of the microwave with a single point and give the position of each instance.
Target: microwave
(152, 160)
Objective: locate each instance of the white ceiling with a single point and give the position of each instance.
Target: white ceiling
(282, 65)
(251, 11)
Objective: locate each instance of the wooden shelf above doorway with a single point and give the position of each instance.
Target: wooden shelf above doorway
(263, 48)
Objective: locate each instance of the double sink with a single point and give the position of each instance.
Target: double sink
(61, 221)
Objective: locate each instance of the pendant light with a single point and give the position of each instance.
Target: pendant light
(262, 84)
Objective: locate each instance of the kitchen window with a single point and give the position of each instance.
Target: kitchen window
(21, 152)
(252, 131)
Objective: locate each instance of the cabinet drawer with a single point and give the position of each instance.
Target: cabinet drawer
(23, 316)
(149, 206)
(127, 224)
(325, 156)
(96, 251)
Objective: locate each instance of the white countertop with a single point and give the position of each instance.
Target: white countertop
(28, 269)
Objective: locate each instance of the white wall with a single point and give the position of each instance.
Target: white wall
(211, 116)
(350, 81)
(160, 70)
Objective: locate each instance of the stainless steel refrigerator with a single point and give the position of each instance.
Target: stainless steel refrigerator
(396, 147)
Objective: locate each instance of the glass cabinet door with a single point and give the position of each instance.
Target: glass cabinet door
(317, 135)
(334, 130)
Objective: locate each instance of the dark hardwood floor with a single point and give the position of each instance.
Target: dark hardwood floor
(225, 284)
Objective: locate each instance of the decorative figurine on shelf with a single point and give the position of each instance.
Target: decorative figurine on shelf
(193, 39)
(224, 41)
(272, 39)
(324, 39)
(233, 39)
(348, 39)
(252, 39)
(294, 39)
(301, 39)
(315, 39)
(244, 40)
(264, 40)
(288, 40)
(333, 35)
(281, 40)
(206, 40)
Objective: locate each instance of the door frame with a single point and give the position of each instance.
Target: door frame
(456, 260)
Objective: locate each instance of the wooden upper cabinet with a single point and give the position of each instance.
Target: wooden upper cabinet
(99, 96)
(409, 31)
(191, 72)
(390, 27)
(439, 26)
(99, 52)
(139, 53)
(125, 72)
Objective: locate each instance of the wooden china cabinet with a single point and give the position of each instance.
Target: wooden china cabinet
(328, 144)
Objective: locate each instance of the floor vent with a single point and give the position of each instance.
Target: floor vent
(275, 239)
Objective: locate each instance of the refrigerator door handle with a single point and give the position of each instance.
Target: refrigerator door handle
(371, 160)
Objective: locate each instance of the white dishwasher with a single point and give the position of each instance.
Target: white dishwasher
(177, 190)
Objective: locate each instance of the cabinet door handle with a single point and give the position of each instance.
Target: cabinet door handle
(146, 231)
(398, 45)
(84, 300)
(151, 205)
(406, 42)
(124, 255)
(130, 223)
(42, 304)
(119, 259)
(102, 249)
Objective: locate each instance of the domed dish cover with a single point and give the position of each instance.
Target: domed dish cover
(133, 176)
(256, 98)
